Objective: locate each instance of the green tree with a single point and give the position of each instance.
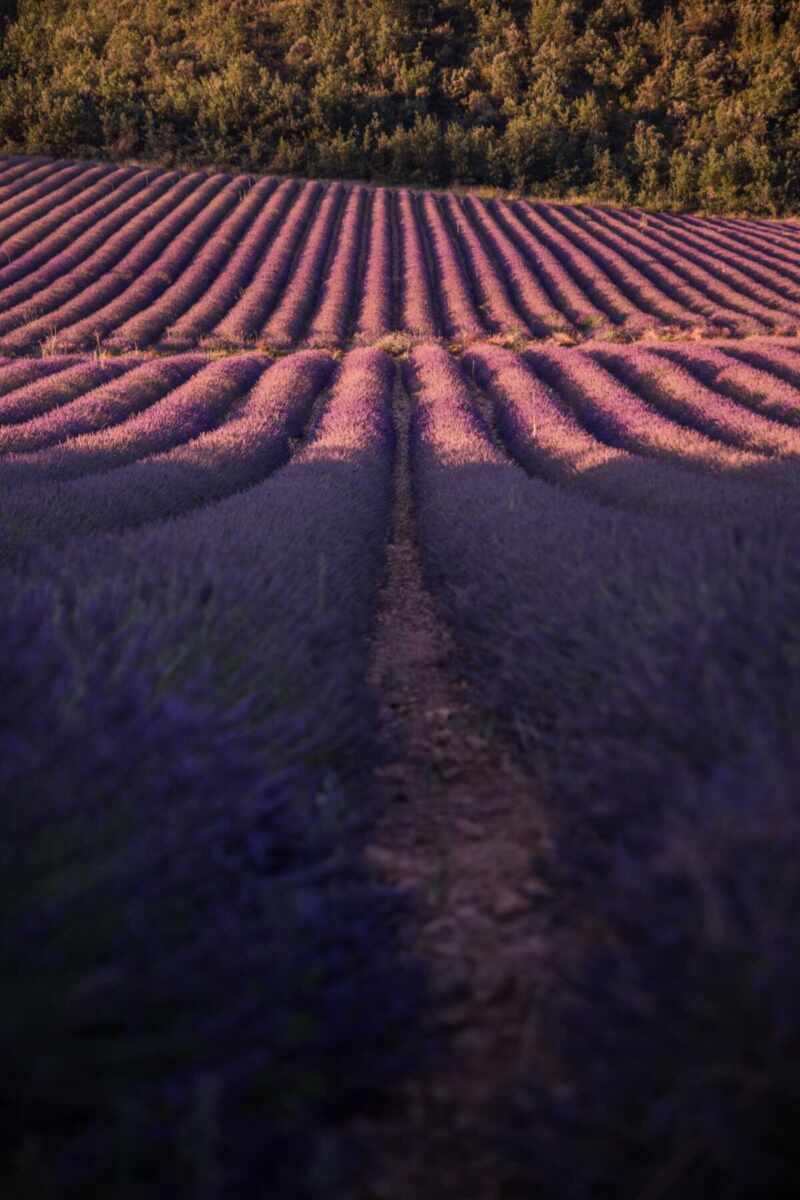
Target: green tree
(659, 102)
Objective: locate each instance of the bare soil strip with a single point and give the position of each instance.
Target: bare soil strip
(460, 822)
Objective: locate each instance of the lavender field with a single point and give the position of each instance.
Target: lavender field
(129, 257)
(258, 436)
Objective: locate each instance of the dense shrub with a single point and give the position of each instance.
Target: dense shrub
(200, 980)
(670, 103)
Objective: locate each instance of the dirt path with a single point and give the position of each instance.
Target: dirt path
(460, 824)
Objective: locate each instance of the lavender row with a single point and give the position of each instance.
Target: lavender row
(197, 467)
(747, 248)
(583, 313)
(545, 430)
(530, 295)
(96, 406)
(646, 672)
(595, 279)
(41, 182)
(710, 271)
(13, 166)
(376, 303)
(634, 276)
(229, 285)
(680, 428)
(247, 316)
(290, 316)
(86, 231)
(342, 283)
(418, 284)
(80, 296)
(144, 294)
(669, 385)
(147, 325)
(183, 768)
(91, 253)
(97, 253)
(772, 277)
(458, 301)
(30, 387)
(620, 416)
(158, 410)
(38, 240)
(21, 212)
(774, 398)
(496, 300)
(672, 290)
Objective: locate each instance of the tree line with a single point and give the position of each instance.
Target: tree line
(688, 104)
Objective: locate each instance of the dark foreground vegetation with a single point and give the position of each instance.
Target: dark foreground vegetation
(661, 103)
(203, 981)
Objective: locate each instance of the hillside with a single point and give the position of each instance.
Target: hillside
(679, 104)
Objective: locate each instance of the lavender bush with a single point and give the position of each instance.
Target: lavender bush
(647, 669)
(182, 764)
(675, 1016)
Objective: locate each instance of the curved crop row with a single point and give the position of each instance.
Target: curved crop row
(240, 267)
(499, 307)
(44, 399)
(744, 383)
(164, 436)
(93, 399)
(670, 430)
(184, 741)
(674, 385)
(247, 317)
(84, 298)
(147, 324)
(750, 303)
(530, 295)
(54, 209)
(742, 249)
(542, 260)
(686, 277)
(198, 470)
(161, 404)
(54, 205)
(18, 373)
(43, 181)
(94, 221)
(646, 670)
(15, 165)
(290, 316)
(144, 293)
(624, 418)
(633, 275)
(548, 434)
(93, 253)
(341, 283)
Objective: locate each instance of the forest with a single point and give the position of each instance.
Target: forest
(666, 104)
